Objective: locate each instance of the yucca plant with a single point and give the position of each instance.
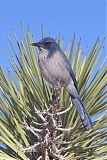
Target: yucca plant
(38, 122)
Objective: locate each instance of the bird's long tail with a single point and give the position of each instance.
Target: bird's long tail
(83, 113)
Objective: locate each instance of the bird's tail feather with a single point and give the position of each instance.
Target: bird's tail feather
(84, 115)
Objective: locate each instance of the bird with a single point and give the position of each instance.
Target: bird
(54, 67)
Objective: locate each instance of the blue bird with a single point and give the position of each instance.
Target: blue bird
(55, 66)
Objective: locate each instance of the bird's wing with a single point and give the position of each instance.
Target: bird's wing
(68, 65)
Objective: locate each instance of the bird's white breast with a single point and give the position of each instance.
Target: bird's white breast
(54, 68)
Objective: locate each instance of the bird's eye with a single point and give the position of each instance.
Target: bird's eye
(48, 43)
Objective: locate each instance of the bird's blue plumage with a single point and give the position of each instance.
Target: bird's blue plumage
(70, 70)
(55, 66)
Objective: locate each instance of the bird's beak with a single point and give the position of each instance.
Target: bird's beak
(38, 44)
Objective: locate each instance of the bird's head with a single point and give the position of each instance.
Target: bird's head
(47, 44)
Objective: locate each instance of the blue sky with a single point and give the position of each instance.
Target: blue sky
(85, 18)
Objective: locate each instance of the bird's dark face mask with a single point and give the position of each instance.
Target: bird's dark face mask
(46, 45)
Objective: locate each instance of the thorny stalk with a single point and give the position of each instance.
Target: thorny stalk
(49, 132)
